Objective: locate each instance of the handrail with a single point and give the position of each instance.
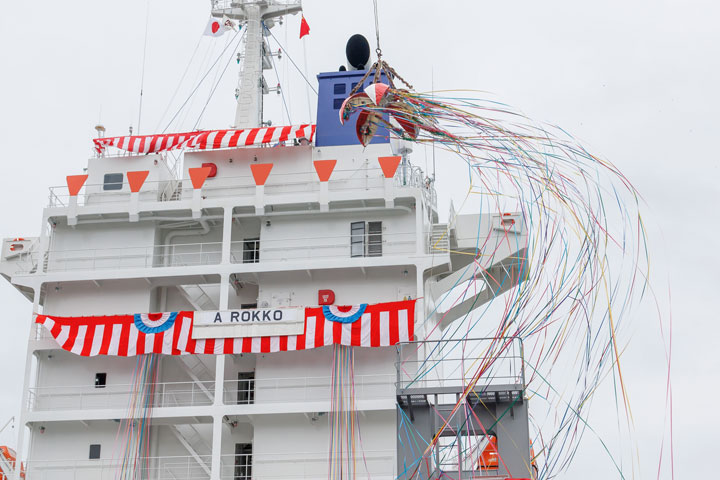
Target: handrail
(166, 394)
(514, 360)
(210, 253)
(187, 468)
(173, 189)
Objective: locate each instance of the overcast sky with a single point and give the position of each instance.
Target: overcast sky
(637, 81)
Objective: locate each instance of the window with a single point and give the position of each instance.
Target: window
(473, 452)
(100, 380)
(113, 181)
(248, 305)
(339, 88)
(243, 461)
(251, 250)
(357, 239)
(246, 388)
(366, 245)
(374, 240)
(94, 452)
(337, 103)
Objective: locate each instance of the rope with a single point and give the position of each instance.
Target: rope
(378, 50)
(212, 91)
(277, 74)
(199, 83)
(182, 77)
(142, 75)
(293, 62)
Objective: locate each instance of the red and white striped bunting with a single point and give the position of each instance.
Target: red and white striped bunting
(381, 325)
(205, 140)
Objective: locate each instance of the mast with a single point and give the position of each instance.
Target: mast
(252, 85)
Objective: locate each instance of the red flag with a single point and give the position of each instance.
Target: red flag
(304, 27)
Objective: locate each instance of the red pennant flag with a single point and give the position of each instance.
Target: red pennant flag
(304, 27)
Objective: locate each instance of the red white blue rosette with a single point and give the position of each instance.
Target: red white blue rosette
(344, 314)
(154, 322)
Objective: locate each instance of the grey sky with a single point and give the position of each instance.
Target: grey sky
(636, 81)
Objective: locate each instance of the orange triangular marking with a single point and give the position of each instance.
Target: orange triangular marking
(136, 179)
(260, 172)
(75, 183)
(324, 169)
(198, 176)
(389, 165)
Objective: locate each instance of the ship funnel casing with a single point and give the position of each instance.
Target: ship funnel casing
(333, 89)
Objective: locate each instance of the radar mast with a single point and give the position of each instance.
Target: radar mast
(252, 85)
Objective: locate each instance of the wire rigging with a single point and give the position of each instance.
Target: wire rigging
(199, 83)
(212, 91)
(177, 88)
(293, 62)
(142, 74)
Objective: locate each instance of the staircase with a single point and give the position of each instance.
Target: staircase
(198, 297)
(194, 443)
(439, 238)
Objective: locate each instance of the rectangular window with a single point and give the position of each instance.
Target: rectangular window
(251, 250)
(366, 239)
(374, 240)
(94, 452)
(339, 88)
(243, 461)
(113, 181)
(100, 380)
(337, 103)
(476, 453)
(246, 388)
(357, 239)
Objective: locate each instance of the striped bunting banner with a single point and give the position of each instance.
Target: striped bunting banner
(378, 325)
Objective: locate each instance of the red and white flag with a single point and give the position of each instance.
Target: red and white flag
(217, 27)
(304, 27)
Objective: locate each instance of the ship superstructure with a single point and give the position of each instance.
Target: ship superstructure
(251, 249)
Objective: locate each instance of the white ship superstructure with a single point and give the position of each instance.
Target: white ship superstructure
(278, 219)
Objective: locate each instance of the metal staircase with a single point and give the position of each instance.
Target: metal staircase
(439, 241)
(496, 261)
(194, 443)
(198, 297)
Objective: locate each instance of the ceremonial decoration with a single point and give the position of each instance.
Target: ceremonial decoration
(205, 140)
(378, 325)
(343, 314)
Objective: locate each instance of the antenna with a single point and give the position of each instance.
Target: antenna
(256, 15)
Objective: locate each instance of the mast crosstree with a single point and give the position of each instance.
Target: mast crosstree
(252, 85)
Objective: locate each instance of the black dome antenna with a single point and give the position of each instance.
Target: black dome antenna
(357, 52)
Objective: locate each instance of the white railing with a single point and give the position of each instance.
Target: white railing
(156, 468)
(303, 389)
(312, 465)
(95, 193)
(194, 254)
(275, 466)
(187, 254)
(459, 363)
(186, 394)
(85, 397)
(338, 246)
(360, 179)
